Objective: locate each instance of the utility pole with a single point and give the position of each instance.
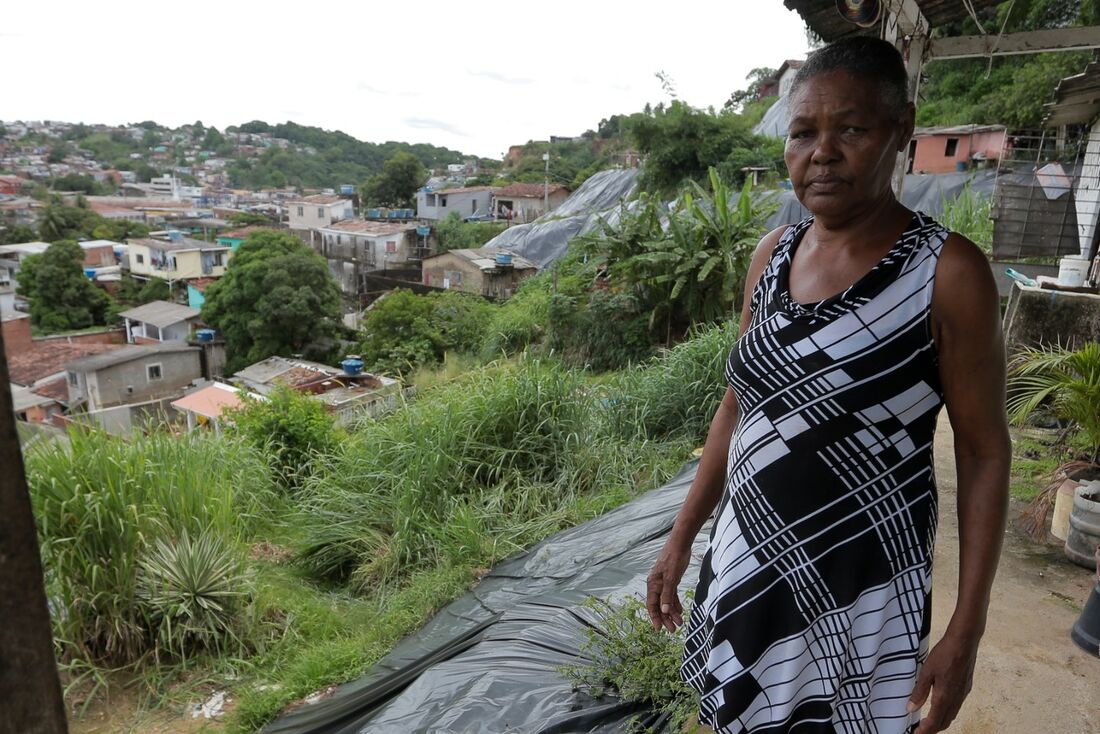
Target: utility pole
(546, 183)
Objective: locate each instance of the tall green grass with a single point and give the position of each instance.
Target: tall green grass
(501, 458)
(968, 214)
(105, 507)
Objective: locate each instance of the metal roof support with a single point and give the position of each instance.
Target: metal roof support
(1027, 42)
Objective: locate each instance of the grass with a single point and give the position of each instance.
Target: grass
(1033, 465)
(394, 524)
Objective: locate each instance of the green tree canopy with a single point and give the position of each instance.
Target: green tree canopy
(404, 331)
(396, 185)
(61, 296)
(60, 221)
(277, 297)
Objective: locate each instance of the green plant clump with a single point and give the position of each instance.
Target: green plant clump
(1063, 381)
(112, 520)
(632, 660)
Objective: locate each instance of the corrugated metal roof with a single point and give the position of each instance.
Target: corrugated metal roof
(1076, 99)
(824, 20)
(160, 313)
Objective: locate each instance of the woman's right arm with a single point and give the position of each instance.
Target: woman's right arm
(662, 601)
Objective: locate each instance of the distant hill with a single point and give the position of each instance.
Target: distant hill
(335, 157)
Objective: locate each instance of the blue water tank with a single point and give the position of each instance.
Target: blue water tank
(373, 213)
(352, 365)
(347, 189)
(205, 335)
(504, 259)
(423, 230)
(89, 273)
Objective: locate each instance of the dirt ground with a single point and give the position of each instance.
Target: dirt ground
(1030, 678)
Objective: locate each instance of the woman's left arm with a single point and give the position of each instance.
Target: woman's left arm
(966, 325)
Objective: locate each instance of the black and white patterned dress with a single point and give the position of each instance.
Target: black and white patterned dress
(812, 609)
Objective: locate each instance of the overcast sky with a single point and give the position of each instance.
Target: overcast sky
(465, 75)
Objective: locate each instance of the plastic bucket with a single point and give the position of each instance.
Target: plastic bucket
(1072, 271)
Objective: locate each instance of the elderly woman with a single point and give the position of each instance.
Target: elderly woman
(812, 611)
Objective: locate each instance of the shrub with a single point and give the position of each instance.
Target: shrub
(631, 659)
(1067, 382)
(405, 331)
(968, 214)
(520, 321)
(102, 504)
(291, 428)
(193, 591)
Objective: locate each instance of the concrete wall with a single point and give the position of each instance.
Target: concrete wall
(528, 209)
(189, 264)
(99, 257)
(123, 420)
(439, 204)
(142, 333)
(453, 272)
(1035, 317)
(318, 215)
(110, 386)
(17, 334)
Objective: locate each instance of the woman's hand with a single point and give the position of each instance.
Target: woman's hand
(661, 598)
(948, 673)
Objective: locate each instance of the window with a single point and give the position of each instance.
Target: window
(73, 381)
(152, 332)
(391, 247)
(443, 201)
(140, 259)
(952, 146)
(473, 206)
(301, 211)
(320, 212)
(219, 259)
(153, 372)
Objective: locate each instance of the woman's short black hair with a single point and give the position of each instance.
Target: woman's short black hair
(868, 58)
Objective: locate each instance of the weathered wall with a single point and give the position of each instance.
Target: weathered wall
(178, 369)
(1037, 317)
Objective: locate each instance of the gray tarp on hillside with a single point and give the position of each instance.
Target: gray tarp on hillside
(924, 192)
(546, 239)
(488, 662)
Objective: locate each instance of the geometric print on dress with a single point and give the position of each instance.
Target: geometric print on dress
(811, 612)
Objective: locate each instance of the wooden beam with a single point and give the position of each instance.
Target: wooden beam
(1028, 42)
(28, 671)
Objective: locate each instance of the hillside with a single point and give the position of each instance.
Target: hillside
(1008, 90)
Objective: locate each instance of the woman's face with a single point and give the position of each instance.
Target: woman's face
(842, 143)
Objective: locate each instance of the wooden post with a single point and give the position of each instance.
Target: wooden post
(32, 701)
(912, 50)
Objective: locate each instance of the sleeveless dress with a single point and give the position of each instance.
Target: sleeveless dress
(811, 615)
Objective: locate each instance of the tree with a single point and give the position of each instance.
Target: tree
(61, 296)
(404, 331)
(756, 77)
(15, 233)
(57, 153)
(291, 427)
(277, 297)
(243, 219)
(62, 222)
(396, 185)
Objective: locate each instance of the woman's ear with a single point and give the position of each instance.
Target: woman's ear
(908, 122)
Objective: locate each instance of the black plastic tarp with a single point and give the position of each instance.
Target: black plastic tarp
(489, 661)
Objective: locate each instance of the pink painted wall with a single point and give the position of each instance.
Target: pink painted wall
(930, 155)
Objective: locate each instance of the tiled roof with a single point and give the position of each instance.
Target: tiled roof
(53, 390)
(46, 358)
(319, 199)
(211, 401)
(528, 190)
(371, 228)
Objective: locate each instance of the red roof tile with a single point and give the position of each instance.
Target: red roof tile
(45, 358)
(54, 389)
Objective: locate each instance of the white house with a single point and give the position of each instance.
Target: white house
(468, 202)
(314, 212)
